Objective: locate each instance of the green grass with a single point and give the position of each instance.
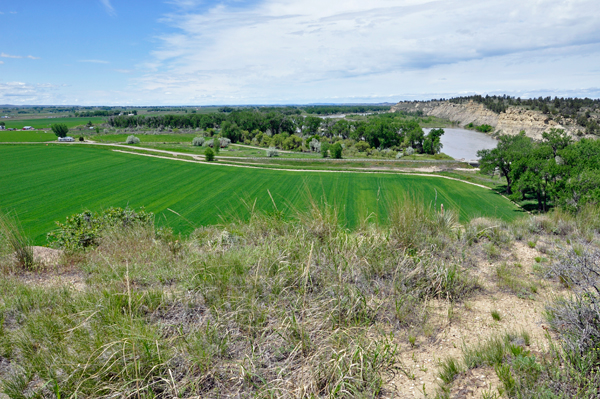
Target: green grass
(24, 136)
(44, 123)
(44, 184)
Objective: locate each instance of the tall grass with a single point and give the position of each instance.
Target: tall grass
(12, 234)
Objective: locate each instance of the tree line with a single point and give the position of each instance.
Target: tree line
(383, 131)
(555, 171)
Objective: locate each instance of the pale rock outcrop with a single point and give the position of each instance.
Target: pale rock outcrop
(534, 123)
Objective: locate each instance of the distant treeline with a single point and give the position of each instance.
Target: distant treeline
(389, 130)
(344, 109)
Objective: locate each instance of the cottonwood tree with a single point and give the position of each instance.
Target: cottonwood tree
(60, 129)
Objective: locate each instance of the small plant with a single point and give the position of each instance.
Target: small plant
(81, 138)
(449, 369)
(132, 140)
(496, 315)
(11, 230)
(198, 141)
(531, 244)
(412, 340)
(209, 155)
(272, 152)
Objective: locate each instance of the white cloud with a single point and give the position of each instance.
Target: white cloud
(95, 61)
(31, 57)
(109, 8)
(310, 50)
(125, 70)
(1, 62)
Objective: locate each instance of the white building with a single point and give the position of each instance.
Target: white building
(67, 139)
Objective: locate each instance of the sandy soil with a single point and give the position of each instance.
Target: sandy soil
(471, 323)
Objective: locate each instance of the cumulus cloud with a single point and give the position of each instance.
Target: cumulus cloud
(307, 50)
(109, 8)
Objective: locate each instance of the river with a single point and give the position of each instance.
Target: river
(462, 143)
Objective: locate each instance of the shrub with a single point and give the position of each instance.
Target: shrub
(399, 155)
(314, 145)
(198, 141)
(209, 154)
(362, 146)
(132, 140)
(324, 149)
(224, 142)
(336, 151)
(272, 152)
(81, 138)
(409, 151)
(85, 229)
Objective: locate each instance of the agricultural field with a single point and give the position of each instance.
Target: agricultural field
(45, 123)
(44, 184)
(24, 136)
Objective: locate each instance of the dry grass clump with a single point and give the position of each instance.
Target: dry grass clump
(266, 307)
(17, 243)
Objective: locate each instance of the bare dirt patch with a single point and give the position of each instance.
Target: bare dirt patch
(471, 323)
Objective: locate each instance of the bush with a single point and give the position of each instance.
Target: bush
(224, 142)
(362, 146)
(409, 151)
(132, 140)
(399, 155)
(336, 151)
(85, 229)
(272, 152)
(314, 145)
(209, 154)
(198, 141)
(325, 149)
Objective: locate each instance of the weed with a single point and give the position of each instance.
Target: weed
(449, 369)
(496, 315)
(12, 233)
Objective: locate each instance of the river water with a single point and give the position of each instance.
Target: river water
(462, 143)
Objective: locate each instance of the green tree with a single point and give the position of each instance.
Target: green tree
(324, 149)
(231, 131)
(216, 145)
(209, 154)
(336, 151)
(60, 129)
(508, 150)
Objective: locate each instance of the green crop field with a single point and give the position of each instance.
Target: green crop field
(44, 123)
(25, 136)
(145, 138)
(43, 184)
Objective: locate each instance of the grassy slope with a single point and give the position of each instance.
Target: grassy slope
(44, 123)
(47, 183)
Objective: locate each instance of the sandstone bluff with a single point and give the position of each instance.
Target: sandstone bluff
(534, 123)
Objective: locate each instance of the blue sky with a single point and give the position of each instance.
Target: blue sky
(194, 52)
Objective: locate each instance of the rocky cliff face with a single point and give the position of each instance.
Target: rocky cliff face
(534, 123)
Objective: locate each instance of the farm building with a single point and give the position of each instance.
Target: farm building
(28, 128)
(67, 139)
